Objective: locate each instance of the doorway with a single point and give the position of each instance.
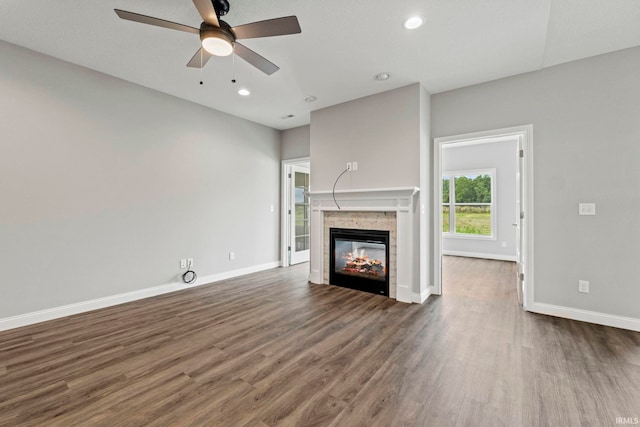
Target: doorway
(296, 211)
(521, 220)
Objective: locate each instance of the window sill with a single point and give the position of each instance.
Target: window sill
(468, 236)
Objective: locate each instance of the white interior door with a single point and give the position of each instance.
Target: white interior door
(299, 214)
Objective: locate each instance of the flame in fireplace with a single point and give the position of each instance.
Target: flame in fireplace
(359, 262)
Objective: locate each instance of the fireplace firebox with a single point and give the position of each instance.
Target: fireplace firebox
(359, 259)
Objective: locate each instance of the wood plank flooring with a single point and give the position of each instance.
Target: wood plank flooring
(270, 349)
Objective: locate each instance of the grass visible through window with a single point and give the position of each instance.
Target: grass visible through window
(472, 220)
(470, 196)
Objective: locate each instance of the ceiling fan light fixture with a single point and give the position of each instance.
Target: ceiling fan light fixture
(216, 42)
(217, 46)
(413, 22)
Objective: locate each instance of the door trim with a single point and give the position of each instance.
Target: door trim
(525, 133)
(285, 200)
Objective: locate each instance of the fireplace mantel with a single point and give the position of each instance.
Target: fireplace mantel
(402, 201)
(379, 199)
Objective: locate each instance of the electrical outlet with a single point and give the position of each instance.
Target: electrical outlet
(232, 256)
(583, 286)
(190, 262)
(349, 165)
(183, 263)
(586, 209)
(354, 166)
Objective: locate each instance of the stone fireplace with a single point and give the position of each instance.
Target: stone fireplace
(385, 211)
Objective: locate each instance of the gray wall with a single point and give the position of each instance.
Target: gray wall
(106, 185)
(295, 143)
(501, 156)
(425, 261)
(586, 133)
(381, 132)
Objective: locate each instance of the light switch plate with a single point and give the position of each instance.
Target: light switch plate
(586, 209)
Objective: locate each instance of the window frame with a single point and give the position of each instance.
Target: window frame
(452, 234)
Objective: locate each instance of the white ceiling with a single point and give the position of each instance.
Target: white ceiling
(342, 46)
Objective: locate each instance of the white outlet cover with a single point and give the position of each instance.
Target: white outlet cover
(586, 209)
(583, 286)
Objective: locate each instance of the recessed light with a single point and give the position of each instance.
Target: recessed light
(310, 98)
(413, 23)
(382, 76)
(244, 92)
(288, 116)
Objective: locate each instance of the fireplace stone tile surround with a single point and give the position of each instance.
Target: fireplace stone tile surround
(392, 209)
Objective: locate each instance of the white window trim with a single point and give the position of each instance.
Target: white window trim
(448, 234)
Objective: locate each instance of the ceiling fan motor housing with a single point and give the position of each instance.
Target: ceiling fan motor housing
(223, 32)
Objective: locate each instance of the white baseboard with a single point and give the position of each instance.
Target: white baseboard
(235, 273)
(481, 255)
(421, 297)
(94, 304)
(598, 318)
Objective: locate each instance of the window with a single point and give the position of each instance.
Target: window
(467, 203)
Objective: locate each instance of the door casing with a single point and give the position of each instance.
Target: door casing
(285, 220)
(525, 136)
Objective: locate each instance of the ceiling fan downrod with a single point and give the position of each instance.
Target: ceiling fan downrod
(221, 7)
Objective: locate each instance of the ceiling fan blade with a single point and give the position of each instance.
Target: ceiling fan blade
(270, 27)
(144, 19)
(255, 59)
(198, 61)
(207, 11)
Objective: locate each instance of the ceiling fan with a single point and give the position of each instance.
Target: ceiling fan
(220, 39)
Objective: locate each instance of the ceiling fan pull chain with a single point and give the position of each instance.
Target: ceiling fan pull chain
(201, 82)
(233, 68)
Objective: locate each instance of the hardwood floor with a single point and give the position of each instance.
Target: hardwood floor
(269, 349)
